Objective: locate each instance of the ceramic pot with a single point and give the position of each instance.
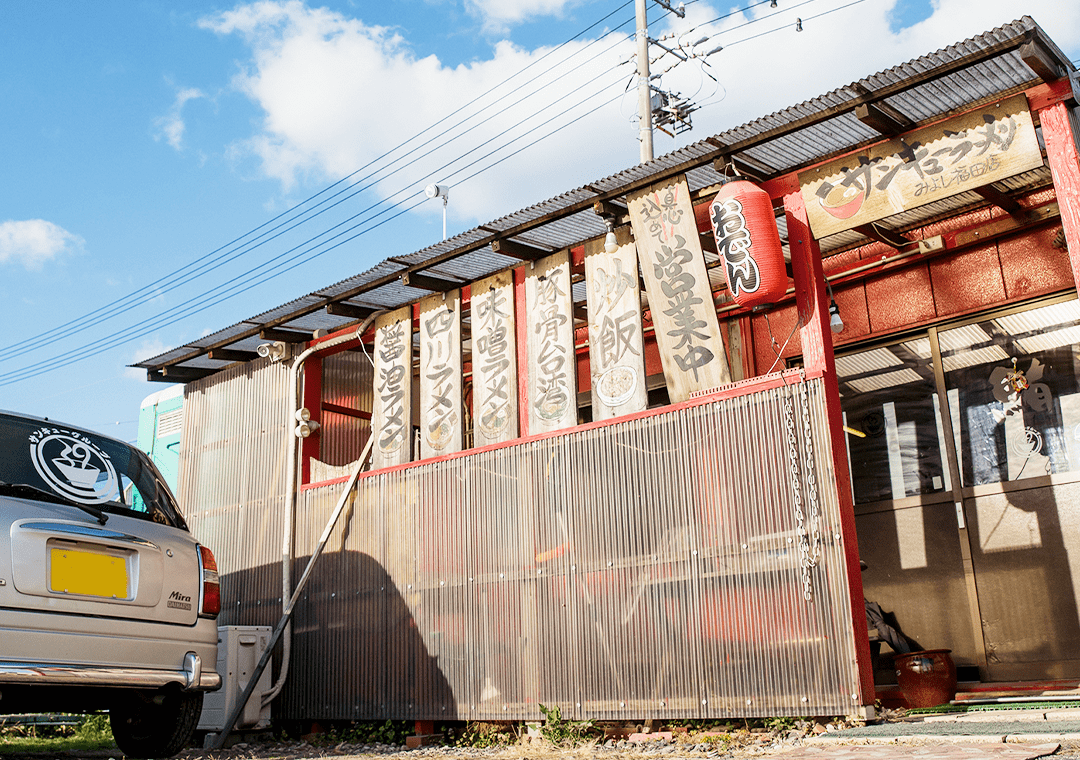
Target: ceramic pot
(927, 678)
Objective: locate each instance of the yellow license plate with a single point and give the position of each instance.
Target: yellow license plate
(88, 573)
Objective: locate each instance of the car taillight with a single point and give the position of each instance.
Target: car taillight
(210, 595)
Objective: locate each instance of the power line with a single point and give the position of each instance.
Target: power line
(264, 272)
(221, 262)
(256, 279)
(174, 278)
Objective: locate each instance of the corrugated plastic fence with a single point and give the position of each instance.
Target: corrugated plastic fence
(687, 563)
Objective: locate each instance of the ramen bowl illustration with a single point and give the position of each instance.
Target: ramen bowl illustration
(843, 202)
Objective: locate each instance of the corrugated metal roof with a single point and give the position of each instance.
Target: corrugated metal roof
(922, 90)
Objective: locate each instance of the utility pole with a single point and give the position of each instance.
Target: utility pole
(644, 88)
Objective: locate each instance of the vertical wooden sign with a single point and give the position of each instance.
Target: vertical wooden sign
(552, 363)
(391, 418)
(616, 342)
(495, 410)
(680, 299)
(440, 374)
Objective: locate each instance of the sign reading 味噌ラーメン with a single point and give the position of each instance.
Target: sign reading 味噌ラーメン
(923, 166)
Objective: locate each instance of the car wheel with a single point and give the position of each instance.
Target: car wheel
(156, 723)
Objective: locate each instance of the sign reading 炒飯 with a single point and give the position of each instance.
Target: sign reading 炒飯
(926, 165)
(616, 342)
(552, 363)
(494, 360)
(391, 416)
(440, 374)
(680, 298)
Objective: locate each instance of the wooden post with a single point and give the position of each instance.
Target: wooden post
(312, 399)
(522, 350)
(818, 356)
(1061, 154)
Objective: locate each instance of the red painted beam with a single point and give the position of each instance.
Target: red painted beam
(1061, 154)
(818, 357)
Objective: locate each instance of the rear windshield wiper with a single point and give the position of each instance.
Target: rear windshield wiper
(25, 489)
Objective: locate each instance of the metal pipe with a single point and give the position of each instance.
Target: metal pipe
(293, 445)
(290, 605)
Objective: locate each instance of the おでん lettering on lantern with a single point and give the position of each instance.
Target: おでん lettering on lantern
(748, 243)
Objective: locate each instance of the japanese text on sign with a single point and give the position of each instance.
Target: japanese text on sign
(440, 375)
(494, 365)
(926, 165)
(680, 297)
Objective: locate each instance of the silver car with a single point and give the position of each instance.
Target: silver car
(106, 600)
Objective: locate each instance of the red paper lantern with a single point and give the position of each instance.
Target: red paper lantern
(749, 243)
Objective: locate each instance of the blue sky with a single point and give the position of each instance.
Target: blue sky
(138, 138)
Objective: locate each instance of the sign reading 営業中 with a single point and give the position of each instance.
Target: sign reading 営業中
(923, 166)
(391, 415)
(616, 341)
(440, 374)
(494, 360)
(680, 297)
(552, 362)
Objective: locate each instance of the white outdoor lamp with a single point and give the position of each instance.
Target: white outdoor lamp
(439, 191)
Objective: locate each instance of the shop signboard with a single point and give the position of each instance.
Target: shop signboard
(391, 417)
(440, 374)
(552, 362)
(494, 360)
(923, 166)
(680, 298)
(616, 341)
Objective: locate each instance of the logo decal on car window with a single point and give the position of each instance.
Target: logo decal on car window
(73, 466)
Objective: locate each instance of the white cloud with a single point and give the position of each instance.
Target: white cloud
(32, 242)
(337, 93)
(145, 350)
(499, 14)
(171, 126)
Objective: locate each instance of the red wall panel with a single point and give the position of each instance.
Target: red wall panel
(1031, 265)
(901, 299)
(967, 281)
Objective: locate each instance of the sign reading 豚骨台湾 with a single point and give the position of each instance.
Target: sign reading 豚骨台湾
(680, 298)
(552, 363)
(440, 374)
(391, 416)
(923, 166)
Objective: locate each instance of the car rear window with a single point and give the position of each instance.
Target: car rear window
(84, 468)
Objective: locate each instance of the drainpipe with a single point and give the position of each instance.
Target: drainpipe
(290, 492)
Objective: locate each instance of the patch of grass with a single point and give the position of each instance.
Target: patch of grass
(366, 732)
(565, 733)
(484, 735)
(92, 732)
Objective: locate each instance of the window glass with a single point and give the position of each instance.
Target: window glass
(65, 465)
(346, 407)
(1013, 393)
(892, 422)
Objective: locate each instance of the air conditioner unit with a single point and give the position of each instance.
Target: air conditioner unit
(239, 649)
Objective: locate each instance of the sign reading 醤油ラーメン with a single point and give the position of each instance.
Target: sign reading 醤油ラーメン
(923, 166)
(391, 415)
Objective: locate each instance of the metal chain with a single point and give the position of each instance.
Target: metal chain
(814, 550)
(796, 493)
(807, 527)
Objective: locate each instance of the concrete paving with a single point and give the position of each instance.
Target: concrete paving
(1013, 734)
